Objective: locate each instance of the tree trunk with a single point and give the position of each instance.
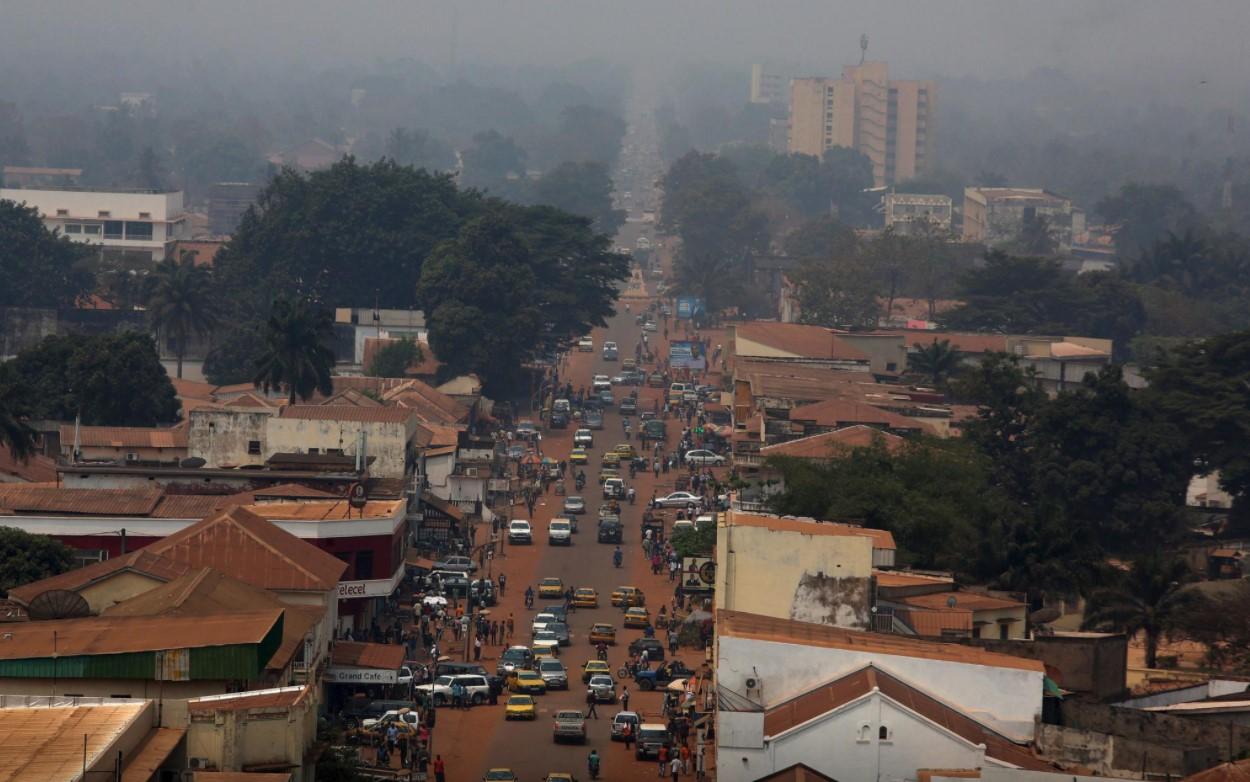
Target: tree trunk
(1152, 648)
(182, 348)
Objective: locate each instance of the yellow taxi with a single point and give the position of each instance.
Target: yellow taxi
(611, 458)
(628, 596)
(520, 707)
(637, 617)
(549, 647)
(585, 597)
(625, 451)
(551, 587)
(579, 456)
(609, 472)
(602, 633)
(595, 668)
(527, 681)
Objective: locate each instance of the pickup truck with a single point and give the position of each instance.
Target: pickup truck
(661, 675)
(569, 725)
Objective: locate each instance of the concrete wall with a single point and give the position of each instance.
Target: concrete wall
(824, 579)
(845, 744)
(387, 442)
(113, 590)
(1007, 699)
(234, 740)
(220, 437)
(1114, 756)
(887, 353)
(1095, 665)
(1155, 729)
(171, 697)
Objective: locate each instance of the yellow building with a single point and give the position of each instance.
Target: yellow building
(890, 122)
(798, 569)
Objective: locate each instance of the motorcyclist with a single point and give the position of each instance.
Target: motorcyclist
(601, 650)
(592, 764)
(616, 556)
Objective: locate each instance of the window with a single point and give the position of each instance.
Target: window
(364, 565)
(141, 232)
(883, 733)
(334, 451)
(145, 215)
(253, 447)
(62, 213)
(104, 213)
(865, 734)
(1002, 631)
(891, 367)
(314, 451)
(73, 228)
(113, 229)
(91, 228)
(89, 556)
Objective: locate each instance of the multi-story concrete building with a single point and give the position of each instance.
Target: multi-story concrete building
(227, 202)
(905, 211)
(135, 225)
(996, 215)
(767, 88)
(890, 122)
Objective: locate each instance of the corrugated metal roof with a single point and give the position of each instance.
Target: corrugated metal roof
(277, 698)
(100, 635)
(151, 754)
(844, 412)
(381, 415)
(141, 561)
(771, 629)
(95, 502)
(802, 341)
(34, 743)
(831, 444)
(881, 539)
(240, 776)
(125, 436)
(357, 654)
(325, 510)
(972, 601)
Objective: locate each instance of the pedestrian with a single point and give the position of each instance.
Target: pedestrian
(511, 625)
(440, 769)
(675, 767)
(477, 648)
(627, 735)
(685, 759)
(590, 704)
(624, 699)
(699, 769)
(661, 756)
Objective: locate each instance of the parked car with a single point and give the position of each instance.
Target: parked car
(569, 725)
(456, 562)
(622, 719)
(476, 689)
(678, 499)
(653, 647)
(456, 667)
(704, 458)
(651, 736)
(519, 532)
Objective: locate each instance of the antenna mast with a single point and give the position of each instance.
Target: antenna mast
(863, 48)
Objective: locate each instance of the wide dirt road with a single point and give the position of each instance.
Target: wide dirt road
(475, 740)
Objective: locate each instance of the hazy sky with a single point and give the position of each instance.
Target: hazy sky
(1168, 42)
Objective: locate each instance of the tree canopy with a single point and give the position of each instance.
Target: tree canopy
(582, 189)
(394, 359)
(39, 268)
(297, 356)
(112, 380)
(25, 557)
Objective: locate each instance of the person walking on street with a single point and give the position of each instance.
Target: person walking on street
(699, 769)
(627, 735)
(440, 769)
(675, 767)
(661, 756)
(685, 759)
(477, 648)
(624, 699)
(590, 705)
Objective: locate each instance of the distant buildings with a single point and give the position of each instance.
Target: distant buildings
(130, 225)
(227, 201)
(767, 88)
(906, 212)
(997, 215)
(888, 121)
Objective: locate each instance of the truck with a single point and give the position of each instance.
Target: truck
(569, 725)
(662, 675)
(654, 431)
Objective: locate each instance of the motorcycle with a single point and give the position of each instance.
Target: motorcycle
(602, 653)
(628, 670)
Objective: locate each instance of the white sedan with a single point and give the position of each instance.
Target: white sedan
(678, 499)
(704, 457)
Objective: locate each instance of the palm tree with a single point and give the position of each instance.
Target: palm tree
(297, 354)
(1149, 599)
(14, 433)
(936, 361)
(180, 302)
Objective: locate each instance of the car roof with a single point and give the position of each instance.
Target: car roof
(653, 726)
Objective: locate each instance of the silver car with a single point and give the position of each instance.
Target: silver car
(554, 673)
(603, 687)
(574, 505)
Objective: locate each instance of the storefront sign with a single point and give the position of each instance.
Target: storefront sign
(377, 587)
(338, 675)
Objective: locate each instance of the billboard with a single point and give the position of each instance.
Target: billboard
(689, 307)
(698, 574)
(684, 354)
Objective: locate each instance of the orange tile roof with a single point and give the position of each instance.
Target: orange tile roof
(95, 635)
(240, 776)
(192, 389)
(936, 623)
(1232, 771)
(881, 539)
(37, 469)
(124, 437)
(830, 444)
(251, 400)
(896, 578)
(430, 404)
(853, 686)
(141, 561)
(293, 491)
(810, 342)
(246, 546)
(103, 502)
(325, 510)
(432, 435)
(381, 415)
(148, 757)
(789, 631)
(843, 412)
(970, 601)
(356, 654)
(276, 698)
(963, 343)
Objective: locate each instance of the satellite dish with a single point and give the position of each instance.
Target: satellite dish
(950, 601)
(192, 462)
(1045, 615)
(58, 604)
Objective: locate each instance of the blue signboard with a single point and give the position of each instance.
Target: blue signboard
(686, 355)
(689, 307)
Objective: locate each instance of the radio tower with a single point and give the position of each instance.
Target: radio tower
(863, 48)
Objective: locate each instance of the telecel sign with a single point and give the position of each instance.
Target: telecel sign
(377, 587)
(360, 676)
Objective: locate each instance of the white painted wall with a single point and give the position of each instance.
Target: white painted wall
(1006, 699)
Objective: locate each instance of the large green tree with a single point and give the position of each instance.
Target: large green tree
(39, 268)
(394, 359)
(1144, 213)
(936, 362)
(1149, 599)
(25, 557)
(15, 433)
(111, 380)
(181, 302)
(491, 160)
(297, 355)
(344, 235)
(417, 148)
(582, 189)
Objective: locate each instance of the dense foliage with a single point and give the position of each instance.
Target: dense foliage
(394, 359)
(25, 557)
(39, 268)
(111, 380)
